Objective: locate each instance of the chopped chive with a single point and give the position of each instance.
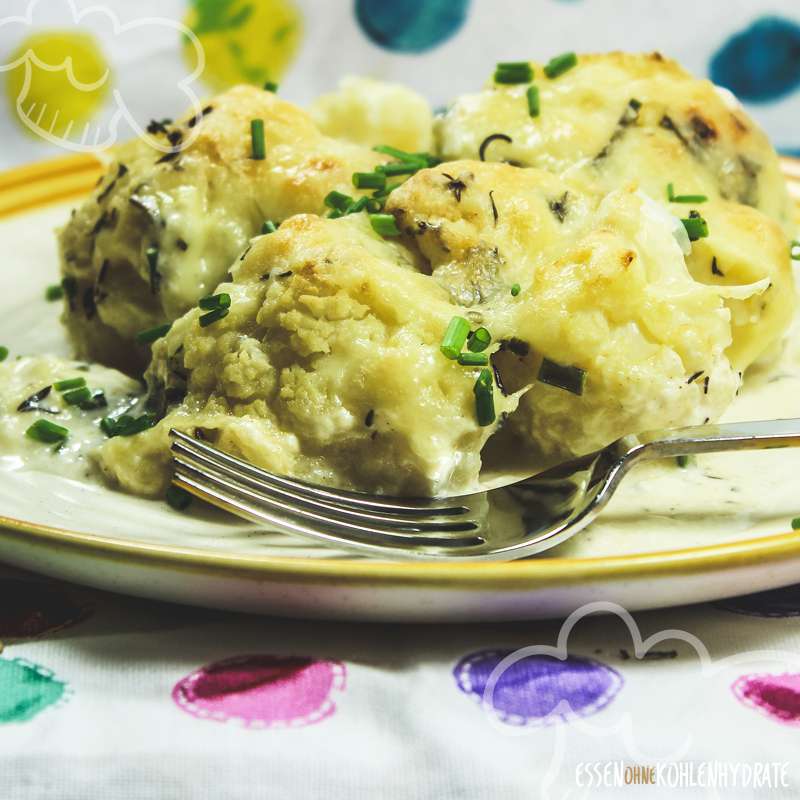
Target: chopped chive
(47, 432)
(127, 425)
(3, 353)
(338, 200)
(77, 396)
(54, 292)
(268, 227)
(513, 72)
(178, 498)
(97, 400)
(682, 461)
(533, 100)
(384, 224)
(796, 524)
(270, 86)
(213, 301)
(151, 334)
(399, 168)
(571, 379)
(454, 337)
(515, 290)
(560, 64)
(381, 194)
(358, 205)
(696, 226)
(69, 383)
(257, 139)
(473, 359)
(484, 398)
(402, 155)
(684, 198)
(794, 250)
(369, 180)
(213, 316)
(479, 340)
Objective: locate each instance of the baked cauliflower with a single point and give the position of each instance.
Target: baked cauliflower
(160, 230)
(327, 366)
(618, 117)
(371, 112)
(615, 236)
(596, 286)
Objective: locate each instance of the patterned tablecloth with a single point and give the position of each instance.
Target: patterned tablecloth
(103, 696)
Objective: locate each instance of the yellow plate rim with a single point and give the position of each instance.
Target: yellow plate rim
(30, 187)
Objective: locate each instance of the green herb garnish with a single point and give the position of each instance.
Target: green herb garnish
(402, 155)
(270, 86)
(454, 337)
(684, 198)
(3, 353)
(571, 379)
(257, 139)
(796, 524)
(560, 64)
(69, 383)
(77, 396)
(369, 180)
(384, 224)
(533, 100)
(484, 398)
(213, 316)
(695, 225)
(794, 250)
(127, 425)
(473, 359)
(515, 290)
(268, 226)
(47, 432)
(338, 200)
(213, 301)
(513, 72)
(178, 498)
(399, 168)
(151, 334)
(682, 461)
(54, 292)
(479, 340)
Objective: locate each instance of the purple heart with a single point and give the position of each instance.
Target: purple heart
(531, 689)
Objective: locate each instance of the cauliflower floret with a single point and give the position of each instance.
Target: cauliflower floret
(371, 112)
(618, 117)
(604, 288)
(327, 366)
(194, 211)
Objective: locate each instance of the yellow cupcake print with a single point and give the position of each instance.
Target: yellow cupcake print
(251, 41)
(60, 81)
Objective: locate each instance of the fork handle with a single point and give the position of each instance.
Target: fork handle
(758, 435)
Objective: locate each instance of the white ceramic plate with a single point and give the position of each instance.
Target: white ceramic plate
(721, 545)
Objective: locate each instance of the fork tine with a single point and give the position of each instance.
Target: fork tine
(283, 498)
(339, 497)
(240, 500)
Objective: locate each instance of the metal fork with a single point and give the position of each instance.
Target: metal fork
(508, 522)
